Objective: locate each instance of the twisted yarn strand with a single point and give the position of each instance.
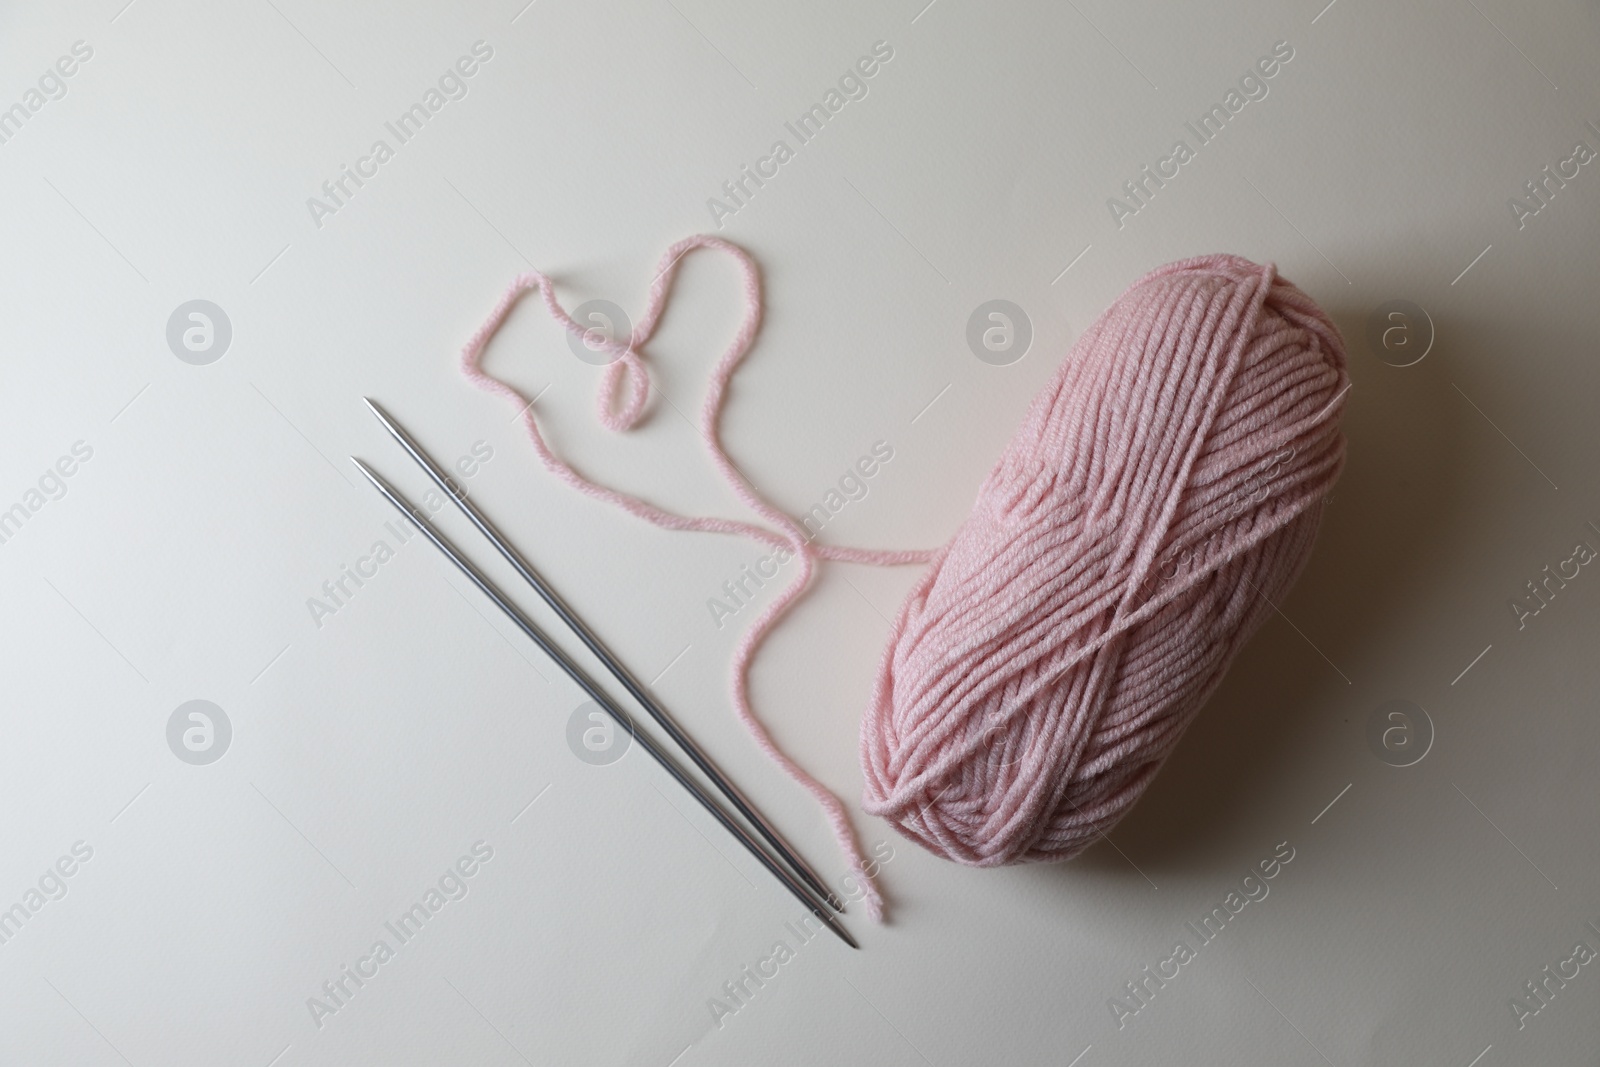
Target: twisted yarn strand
(628, 369)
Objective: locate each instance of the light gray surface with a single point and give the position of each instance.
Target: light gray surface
(370, 752)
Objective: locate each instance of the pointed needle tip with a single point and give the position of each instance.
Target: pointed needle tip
(844, 935)
(388, 423)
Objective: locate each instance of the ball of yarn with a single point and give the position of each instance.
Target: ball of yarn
(1158, 501)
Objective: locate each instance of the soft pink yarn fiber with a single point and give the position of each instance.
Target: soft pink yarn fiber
(1154, 507)
(780, 530)
(1162, 494)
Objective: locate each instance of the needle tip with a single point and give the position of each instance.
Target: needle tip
(388, 423)
(844, 935)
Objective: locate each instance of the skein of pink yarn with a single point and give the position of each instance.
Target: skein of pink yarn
(1158, 501)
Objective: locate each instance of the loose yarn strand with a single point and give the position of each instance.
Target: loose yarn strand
(628, 369)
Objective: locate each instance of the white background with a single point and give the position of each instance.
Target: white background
(370, 752)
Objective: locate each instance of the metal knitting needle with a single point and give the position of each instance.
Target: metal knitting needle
(600, 697)
(603, 654)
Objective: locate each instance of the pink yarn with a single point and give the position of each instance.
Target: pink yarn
(1050, 659)
(783, 531)
(1159, 499)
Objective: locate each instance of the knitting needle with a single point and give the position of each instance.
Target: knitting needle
(600, 697)
(593, 644)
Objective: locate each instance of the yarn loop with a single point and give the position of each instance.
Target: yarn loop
(781, 530)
